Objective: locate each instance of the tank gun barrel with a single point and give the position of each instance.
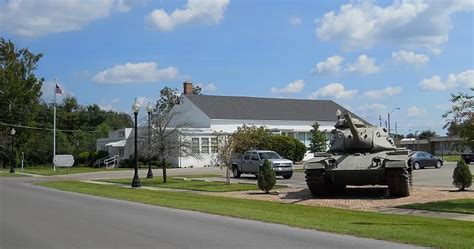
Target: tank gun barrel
(352, 128)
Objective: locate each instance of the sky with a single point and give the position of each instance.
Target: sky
(371, 57)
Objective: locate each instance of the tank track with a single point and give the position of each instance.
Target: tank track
(317, 184)
(399, 182)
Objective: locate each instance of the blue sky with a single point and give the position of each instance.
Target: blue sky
(370, 56)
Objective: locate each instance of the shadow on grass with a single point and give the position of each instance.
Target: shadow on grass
(263, 193)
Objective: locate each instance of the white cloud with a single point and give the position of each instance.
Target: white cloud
(335, 90)
(144, 72)
(372, 108)
(415, 111)
(211, 87)
(435, 83)
(35, 18)
(388, 91)
(196, 11)
(295, 20)
(444, 107)
(107, 107)
(330, 66)
(414, 23)
(409, 57)
(293, 87)
(364, 65)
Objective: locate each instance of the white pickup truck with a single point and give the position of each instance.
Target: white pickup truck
(250, 162)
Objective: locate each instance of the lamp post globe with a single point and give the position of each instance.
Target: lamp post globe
(149, 110)
(13, 158)
(136, 180)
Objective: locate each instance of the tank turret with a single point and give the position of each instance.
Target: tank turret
(354, 136)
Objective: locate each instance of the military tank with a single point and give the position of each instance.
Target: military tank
(359, 155)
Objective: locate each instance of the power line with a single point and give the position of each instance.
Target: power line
(39, 128)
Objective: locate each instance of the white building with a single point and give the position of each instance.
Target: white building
(207, 114)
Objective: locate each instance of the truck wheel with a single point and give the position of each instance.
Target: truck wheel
(398, 181)
(236, 172)
(287, 176)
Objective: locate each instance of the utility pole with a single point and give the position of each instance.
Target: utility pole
(380, 120)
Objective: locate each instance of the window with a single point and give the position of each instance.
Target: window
(120, 151)
(269, 155)
(214, 145)
(195, 145)
(205, 145)
(247, 156)
(254, 156)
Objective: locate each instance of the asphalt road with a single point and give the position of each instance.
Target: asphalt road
(36, 217)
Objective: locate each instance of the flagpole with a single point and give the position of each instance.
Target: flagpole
(54, 126)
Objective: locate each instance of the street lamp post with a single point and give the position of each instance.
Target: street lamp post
(388, 118)
(136, 180)
(149, 109)
(13, 162)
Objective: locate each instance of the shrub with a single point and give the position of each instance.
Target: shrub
(83, 157)
(102, 154)
(288, 147)
(266, 177)
(462, 177)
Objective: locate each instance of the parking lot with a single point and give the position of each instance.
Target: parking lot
(442, 177)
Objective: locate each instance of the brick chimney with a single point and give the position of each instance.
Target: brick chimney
(187, 87)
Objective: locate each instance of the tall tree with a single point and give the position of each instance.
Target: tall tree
(168, 138)
(460, 119)
(20, 89)
(426, 134)
(318, 139)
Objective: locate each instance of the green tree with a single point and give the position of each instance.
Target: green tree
(426, 134)
(462, 177)
(460, 119)
(20, 90)
(287, 147)
(318, 139)
(410, 135)
(266, 177)
(251, 137)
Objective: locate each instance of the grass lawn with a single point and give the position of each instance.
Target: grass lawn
(48, 171)
(450, 158)
(424, 231)
(7, 174)
(189, 185)
(464, 206)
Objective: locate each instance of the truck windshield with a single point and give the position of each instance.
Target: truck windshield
(269, 155)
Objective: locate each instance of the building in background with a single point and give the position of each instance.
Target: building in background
(208, 114)
(442, 145)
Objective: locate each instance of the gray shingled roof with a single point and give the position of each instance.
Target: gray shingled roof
(251, 108)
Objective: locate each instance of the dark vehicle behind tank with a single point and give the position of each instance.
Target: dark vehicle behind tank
(359, 155)
(421, 159)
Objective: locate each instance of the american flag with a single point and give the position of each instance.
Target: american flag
(58, 90)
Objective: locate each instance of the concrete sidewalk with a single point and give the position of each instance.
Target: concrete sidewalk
(427, 213)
